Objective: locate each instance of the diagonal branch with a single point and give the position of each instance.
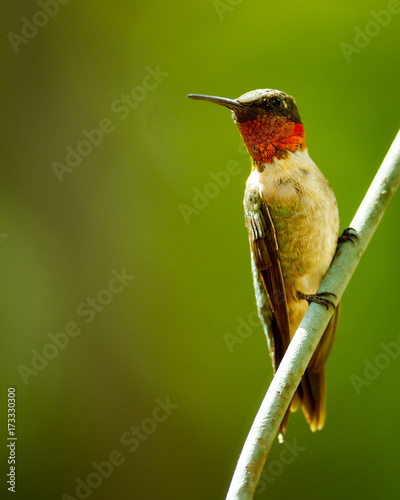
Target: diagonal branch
(309, 333)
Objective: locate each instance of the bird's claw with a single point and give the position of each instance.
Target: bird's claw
(349, 234)
(319, 298)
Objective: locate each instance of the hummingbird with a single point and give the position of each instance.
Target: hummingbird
(292, 219)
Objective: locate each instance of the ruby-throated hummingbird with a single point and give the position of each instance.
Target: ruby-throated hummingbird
(293, 224)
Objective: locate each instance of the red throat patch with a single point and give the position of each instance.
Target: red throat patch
(268, 137)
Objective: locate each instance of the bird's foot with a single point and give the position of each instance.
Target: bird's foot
(348, 234)
(319, 298)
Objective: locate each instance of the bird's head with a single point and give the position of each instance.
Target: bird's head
(268, 121)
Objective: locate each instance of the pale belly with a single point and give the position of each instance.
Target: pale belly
(305, 215)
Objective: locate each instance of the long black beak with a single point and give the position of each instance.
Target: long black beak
(232, 104)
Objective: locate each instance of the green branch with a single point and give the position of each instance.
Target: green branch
(309, 333)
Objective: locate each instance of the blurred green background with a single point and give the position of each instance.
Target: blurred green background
(164, 334)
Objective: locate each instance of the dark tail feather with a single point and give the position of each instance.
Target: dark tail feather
(312, 390)
(312, 386)
(311, 395)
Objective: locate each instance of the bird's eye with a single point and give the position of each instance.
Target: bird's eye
(276, 102)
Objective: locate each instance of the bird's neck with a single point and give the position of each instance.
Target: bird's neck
(269, 136)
